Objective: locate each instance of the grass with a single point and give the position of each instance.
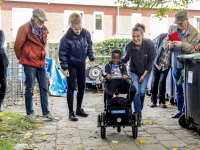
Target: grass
(12, 125)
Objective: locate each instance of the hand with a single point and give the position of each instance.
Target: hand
(109, 77)
(171, 44)
(92, 64)
(66, 73)
(178, 43)
(141, 78)
(124, 77)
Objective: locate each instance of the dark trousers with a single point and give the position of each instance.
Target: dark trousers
(3, 74)
(158, 80)
(122, 86)
(75, 73)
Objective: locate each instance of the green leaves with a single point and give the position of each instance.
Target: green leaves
(103, 49)
(161, 5)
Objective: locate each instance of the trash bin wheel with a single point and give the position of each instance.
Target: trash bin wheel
(182, 121)
(198, 129)
(118, 129)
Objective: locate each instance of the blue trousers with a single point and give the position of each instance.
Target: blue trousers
(41, 76)
(176, 73)
(141, 90)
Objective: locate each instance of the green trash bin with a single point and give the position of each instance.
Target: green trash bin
(191, 64)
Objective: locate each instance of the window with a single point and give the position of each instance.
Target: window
(67, 13)
(0, 17)
(136, 18)
(98, 25)
(197, 22)
(20, 16)
(98, 22)
(158, 26)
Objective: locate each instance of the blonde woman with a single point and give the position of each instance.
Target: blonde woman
(74, 48)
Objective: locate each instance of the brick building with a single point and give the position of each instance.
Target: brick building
(102, 18)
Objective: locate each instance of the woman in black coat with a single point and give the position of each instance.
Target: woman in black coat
(3, 69)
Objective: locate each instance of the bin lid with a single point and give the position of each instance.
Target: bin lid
(190, 56)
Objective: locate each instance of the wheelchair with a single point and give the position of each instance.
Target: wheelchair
(118, 113)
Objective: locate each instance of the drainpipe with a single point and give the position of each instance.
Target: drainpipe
(118, 19)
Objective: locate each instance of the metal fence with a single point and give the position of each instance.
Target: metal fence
(15, 91)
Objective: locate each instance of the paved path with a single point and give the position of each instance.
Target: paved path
(164, 133)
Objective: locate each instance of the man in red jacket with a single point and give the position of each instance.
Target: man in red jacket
(29, 48)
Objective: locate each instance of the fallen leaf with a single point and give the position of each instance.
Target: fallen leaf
(39, 125)
(166, 126)
(142, 141)
(147, 104)
(1, 114)
(145, 100)
(8, 118)
(54, 100)
(66, 126)
(146, 122)
(113, 141)
(174, 149)
(168, 103)
(150, 123)
(148, 116)
(28, 135)
(43, 133)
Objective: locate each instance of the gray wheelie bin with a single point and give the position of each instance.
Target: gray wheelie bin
(191, 90)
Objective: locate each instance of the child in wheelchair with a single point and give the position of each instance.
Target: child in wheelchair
(116, 75)
(118, 111)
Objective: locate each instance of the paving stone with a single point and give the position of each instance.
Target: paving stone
(156, 130)
(152, 147)
(173, 144)
(164, 137)
(148, 140)
(95, 142)
(68, 141)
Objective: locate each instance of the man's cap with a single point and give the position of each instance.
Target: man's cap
(180, 17)
(40, 13)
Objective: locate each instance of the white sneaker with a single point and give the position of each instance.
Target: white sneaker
(50, 117)
(1, 108)
(33, 117)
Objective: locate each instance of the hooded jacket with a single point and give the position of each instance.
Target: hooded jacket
(28, 47)
(2, 49)
(74, 49)
(108, 67)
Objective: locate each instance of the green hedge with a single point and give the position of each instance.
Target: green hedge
(104, 48)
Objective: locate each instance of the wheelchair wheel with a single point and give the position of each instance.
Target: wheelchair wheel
(118, 129)
(135, 125)
(103, 129)
(98, 120)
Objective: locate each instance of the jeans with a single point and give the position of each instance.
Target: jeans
(141, 90)
(176, 73)
(41, 76)
(3, 74)
(158, 79)
(75, 73)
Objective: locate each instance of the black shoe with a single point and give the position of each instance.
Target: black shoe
(73, 117)
(81, 112)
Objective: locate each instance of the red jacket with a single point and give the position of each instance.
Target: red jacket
(28, 47)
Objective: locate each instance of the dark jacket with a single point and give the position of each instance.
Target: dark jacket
(2, 49)
(159, 47)
(108, 67)
(28, 47)
(140, 60)
(74, 50)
